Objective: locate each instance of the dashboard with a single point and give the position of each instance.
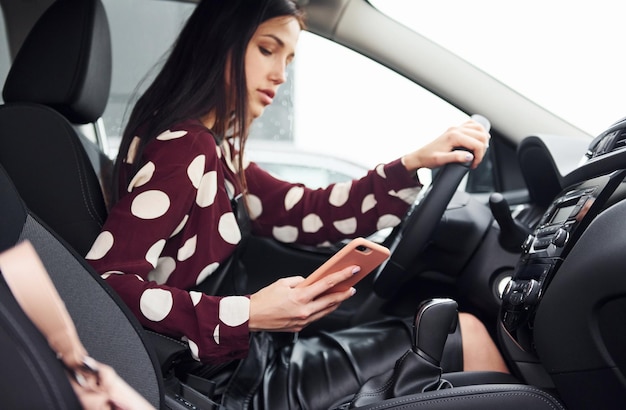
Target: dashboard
(558, 324)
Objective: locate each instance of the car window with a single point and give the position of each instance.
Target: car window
(5, 58)
(335, 102)
(142, 31)
(560, 54)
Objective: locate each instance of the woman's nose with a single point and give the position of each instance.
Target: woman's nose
(279, 74)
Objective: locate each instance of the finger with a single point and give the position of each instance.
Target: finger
(321, 314)
(328, 303)
(474, 141)
(323, 285)
(474, 132)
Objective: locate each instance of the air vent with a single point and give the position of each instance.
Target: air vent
(612, 141)
(620, 141)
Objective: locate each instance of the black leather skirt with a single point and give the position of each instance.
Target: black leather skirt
(319, 372)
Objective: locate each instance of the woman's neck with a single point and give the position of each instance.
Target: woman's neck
(209, 120)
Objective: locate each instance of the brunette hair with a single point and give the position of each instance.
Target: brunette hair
(192, 81)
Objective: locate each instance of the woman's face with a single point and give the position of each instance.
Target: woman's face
(270, 50)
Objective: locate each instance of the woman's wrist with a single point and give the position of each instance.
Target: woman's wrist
(411, 163)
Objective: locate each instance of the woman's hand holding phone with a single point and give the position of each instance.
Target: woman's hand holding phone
(365, 254)
(290, 304)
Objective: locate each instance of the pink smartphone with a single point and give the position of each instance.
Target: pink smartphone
(361, 252)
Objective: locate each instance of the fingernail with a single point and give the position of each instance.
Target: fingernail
(469, 157)
(356, 270)
(352, 291)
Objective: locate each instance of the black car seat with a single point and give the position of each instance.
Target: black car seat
(60, 78)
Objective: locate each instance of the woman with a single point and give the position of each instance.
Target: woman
(174, 224)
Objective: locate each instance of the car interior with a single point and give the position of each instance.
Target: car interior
(540, 260)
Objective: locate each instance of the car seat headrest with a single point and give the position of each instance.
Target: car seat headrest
(65, 62)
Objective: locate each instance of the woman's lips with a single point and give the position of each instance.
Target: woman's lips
(267, 96)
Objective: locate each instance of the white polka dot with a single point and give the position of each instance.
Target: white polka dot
(380, 170)
(188, 249)
(156, 304)
(142, 176)
(196, 297)
(227, 157)
(207, 190)
(255, 207)
(165, 267)
(225, 149)
(387, 221)
(294, 196)
(206, 272)
(106, 275)
(171, 135)
(408, 195)
(312, 223)
(340, 193)
(132, 150)
(150, 204)
(216, 334)
(152, 256)
(195, 170)
(230, 188)
(286, 234)
(236, 162)
(346, 226)
(228, 228)
(369, 202)
(180, 226)
(193, 349)
(234, 310)
(246, 162)
(101, 246)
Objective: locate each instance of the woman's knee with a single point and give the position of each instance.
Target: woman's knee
(479, 350)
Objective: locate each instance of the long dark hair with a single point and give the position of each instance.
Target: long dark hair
(192, 82)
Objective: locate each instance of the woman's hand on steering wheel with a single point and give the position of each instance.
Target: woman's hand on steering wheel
(450, 152)
(470, 136)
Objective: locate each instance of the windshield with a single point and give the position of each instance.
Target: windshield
(562, 54)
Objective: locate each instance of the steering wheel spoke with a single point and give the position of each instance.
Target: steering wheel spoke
(417, 229)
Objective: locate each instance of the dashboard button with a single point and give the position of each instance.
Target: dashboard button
(560, 238)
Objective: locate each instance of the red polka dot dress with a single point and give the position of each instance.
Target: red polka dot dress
(174, 225)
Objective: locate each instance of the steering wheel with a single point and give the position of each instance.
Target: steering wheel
(417, 228)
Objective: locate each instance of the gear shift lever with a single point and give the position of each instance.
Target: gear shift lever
(512, 232)
(418, 370)
(434, 320)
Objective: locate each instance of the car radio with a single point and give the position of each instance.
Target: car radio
(546, 247)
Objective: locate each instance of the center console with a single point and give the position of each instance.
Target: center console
(547, 246)
(561, 323)
(563, 222)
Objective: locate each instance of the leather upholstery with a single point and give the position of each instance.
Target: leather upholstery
(483, 397)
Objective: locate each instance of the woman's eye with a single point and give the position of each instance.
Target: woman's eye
(265, 51)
